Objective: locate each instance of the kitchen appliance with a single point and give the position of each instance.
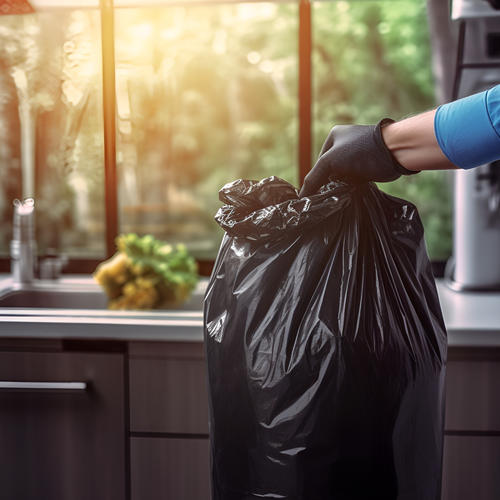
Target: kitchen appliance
(475, 264)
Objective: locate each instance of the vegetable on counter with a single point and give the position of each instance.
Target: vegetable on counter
(147, 273)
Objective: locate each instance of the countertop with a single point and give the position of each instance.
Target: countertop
(161, 325)
(472, 320)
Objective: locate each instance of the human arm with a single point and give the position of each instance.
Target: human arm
(413, 143)
(464, 133)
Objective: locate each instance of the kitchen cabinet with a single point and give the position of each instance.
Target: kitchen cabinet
(169, 449)
(170, 468)
(472, 468)
(135, 428)
(62, 422)
(471, 463)
(168, 391)
(139, 430)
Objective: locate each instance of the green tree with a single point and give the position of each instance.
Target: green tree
(50, 73)
(208, 94)
(372, 60)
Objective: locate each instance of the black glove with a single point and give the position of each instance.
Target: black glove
(354, 153)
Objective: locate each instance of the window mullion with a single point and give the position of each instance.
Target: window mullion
(109, 111)
(305, 78)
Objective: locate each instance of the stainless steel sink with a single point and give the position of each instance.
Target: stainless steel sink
(76, 307)
(67, 294)
(53, 299)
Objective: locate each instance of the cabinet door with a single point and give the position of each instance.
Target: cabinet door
(169, 468)
(471, 468)
(62, 442)
(473, 395)
(168, 388)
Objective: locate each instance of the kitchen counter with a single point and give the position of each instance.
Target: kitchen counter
(162, 325)
(472, 320)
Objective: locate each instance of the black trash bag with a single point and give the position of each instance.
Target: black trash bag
(325, 345)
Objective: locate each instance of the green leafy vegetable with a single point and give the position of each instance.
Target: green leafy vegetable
(147, 273)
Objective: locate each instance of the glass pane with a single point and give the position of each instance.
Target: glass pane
(372, 60)
(51, 128)
(206, 94)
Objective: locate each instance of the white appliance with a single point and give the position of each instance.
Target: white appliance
(475, 264)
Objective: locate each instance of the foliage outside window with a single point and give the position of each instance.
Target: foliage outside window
(51, 128)
(205, 94)
(372, 60)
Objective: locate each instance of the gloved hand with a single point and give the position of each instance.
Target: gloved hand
(354, 153)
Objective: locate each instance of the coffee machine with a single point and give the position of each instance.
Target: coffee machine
(475, 264)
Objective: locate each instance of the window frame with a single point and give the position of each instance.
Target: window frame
(109, 110)
(106, 9)
(109, 107)
(106, 14)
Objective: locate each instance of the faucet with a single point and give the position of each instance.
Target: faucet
(23, 248)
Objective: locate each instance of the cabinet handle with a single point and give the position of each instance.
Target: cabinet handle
(43, 386)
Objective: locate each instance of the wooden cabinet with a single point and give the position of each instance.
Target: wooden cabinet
(471, 463)
(62, 423)
(168, 388)
(129, 422)
(169, 450)
(139, 429)
(170, 468)
(473, 393)
(472, 468)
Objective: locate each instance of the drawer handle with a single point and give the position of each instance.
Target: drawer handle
(43, 386)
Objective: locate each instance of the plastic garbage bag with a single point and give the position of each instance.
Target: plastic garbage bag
(325, 346)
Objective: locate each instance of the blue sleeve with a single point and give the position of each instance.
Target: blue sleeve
(468, 130)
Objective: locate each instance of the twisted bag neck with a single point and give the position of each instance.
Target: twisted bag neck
(270, 208)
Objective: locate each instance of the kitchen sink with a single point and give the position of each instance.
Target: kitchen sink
(80, 293)
(69, 299)
(76, 307)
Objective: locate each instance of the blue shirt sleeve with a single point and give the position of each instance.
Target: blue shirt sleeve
(468, 130)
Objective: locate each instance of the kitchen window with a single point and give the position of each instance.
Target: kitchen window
(205, 93)
(52, 129)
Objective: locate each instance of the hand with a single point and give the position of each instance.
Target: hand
(354, 153)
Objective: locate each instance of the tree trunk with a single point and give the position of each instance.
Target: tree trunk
(443, 33)
(27, 148)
